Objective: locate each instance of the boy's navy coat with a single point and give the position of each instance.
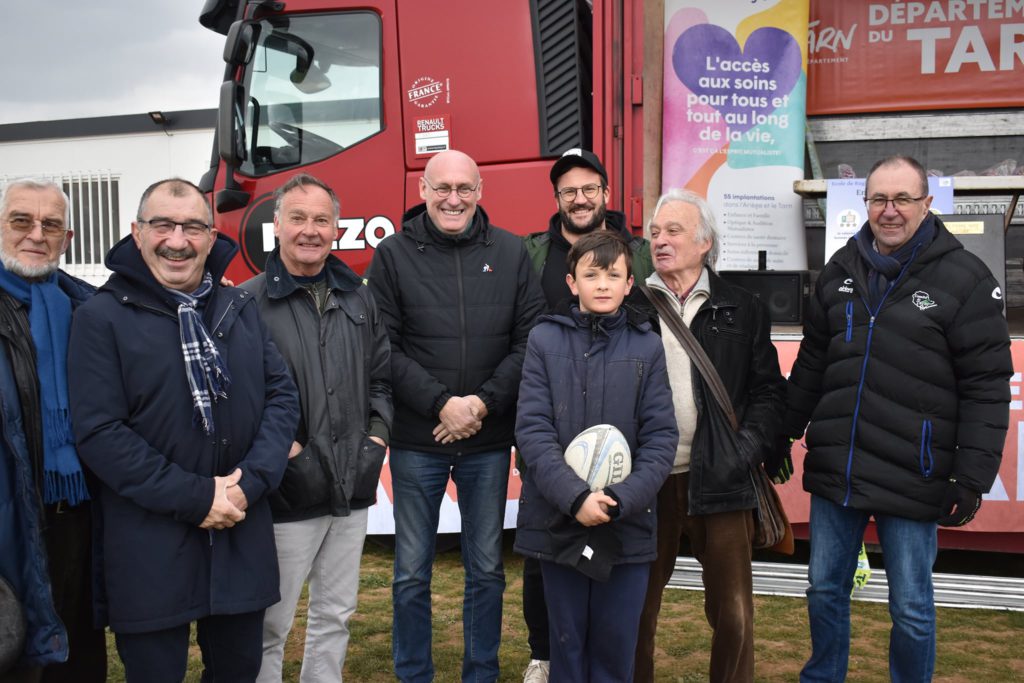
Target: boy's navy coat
(580, 371)
(132, 413)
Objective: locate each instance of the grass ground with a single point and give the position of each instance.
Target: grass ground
(973, 645)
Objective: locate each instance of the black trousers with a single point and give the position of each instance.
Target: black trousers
(69, 552)
(232, 647)
(535, 610)
(68, 539)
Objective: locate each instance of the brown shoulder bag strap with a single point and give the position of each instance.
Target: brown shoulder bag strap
(693, 348)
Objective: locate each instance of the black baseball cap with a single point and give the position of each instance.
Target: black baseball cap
(577, 157)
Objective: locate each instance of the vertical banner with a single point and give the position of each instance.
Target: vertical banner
(735, 88)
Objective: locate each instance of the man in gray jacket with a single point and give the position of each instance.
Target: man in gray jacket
(327, 326)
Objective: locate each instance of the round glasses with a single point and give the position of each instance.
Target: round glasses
(568, 194)
(442, 191)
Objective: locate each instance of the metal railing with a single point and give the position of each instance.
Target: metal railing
(951, 590)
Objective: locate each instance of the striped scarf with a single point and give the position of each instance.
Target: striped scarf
(207, 374)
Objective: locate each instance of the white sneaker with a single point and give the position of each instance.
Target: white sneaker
(537, 671)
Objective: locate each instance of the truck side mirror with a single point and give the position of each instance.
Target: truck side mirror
(231, 124)
(231, 145)
(241, 42)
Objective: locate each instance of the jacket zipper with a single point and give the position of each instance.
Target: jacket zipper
(926, 448)
(864, 370)
(849, 320)
(462, 320)
(639, 390)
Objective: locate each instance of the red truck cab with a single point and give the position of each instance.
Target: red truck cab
(362, 94)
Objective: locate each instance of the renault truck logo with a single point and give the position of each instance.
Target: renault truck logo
(425, 91)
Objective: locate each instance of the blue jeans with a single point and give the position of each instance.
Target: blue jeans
(909, 549)
(418, 481)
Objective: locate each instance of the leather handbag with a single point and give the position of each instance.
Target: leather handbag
(772, 530)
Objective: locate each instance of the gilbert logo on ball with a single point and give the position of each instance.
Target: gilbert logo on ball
(600, 456)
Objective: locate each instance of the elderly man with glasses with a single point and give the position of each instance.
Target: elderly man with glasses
(903, 373)
(45, 506)
(185, 411)
(458, 297)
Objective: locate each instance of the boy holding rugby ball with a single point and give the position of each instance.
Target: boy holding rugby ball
(588, 364)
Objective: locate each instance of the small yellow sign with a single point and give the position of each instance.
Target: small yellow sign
(966, 227)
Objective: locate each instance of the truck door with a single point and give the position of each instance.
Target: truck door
(317, 94)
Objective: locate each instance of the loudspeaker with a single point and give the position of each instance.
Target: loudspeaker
(784, 292)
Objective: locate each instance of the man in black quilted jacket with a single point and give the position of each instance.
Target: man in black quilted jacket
(458, 297)
(904, 373)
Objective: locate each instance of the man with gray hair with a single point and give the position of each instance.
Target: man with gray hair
(709, 496)
(332, 336)
(45, 508)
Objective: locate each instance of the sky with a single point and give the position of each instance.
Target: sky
(63, 59)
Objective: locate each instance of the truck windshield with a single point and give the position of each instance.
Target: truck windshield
(312, 89)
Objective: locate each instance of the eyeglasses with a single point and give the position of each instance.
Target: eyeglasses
(51, 228)
(464, 191)
(879, 203)
(568, 194)
(165, 228)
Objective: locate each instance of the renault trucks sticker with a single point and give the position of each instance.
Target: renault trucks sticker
(432, 135)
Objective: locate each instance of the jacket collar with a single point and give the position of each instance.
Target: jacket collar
(132, 280)
(568, 313)
(703, 284)
(417, 225)
(79, 291)
(850, 260)
(614, 221)
(281, 284)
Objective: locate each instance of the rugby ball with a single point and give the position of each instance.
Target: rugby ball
(600, 456)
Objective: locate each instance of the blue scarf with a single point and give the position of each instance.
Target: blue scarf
(207, 375)
(886, 268)
(49, 318)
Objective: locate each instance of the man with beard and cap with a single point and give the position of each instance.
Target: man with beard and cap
(458, 298)
(903, 373)
(185, 411)
(581, 197)
(45, 511)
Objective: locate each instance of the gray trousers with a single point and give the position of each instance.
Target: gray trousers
(326, 550)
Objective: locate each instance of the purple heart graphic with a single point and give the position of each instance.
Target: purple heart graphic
(703, 55)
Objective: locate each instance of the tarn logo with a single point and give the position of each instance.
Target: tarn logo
(922, 300)
(847, 286)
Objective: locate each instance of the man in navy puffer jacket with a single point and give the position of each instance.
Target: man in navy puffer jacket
(903, 372)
